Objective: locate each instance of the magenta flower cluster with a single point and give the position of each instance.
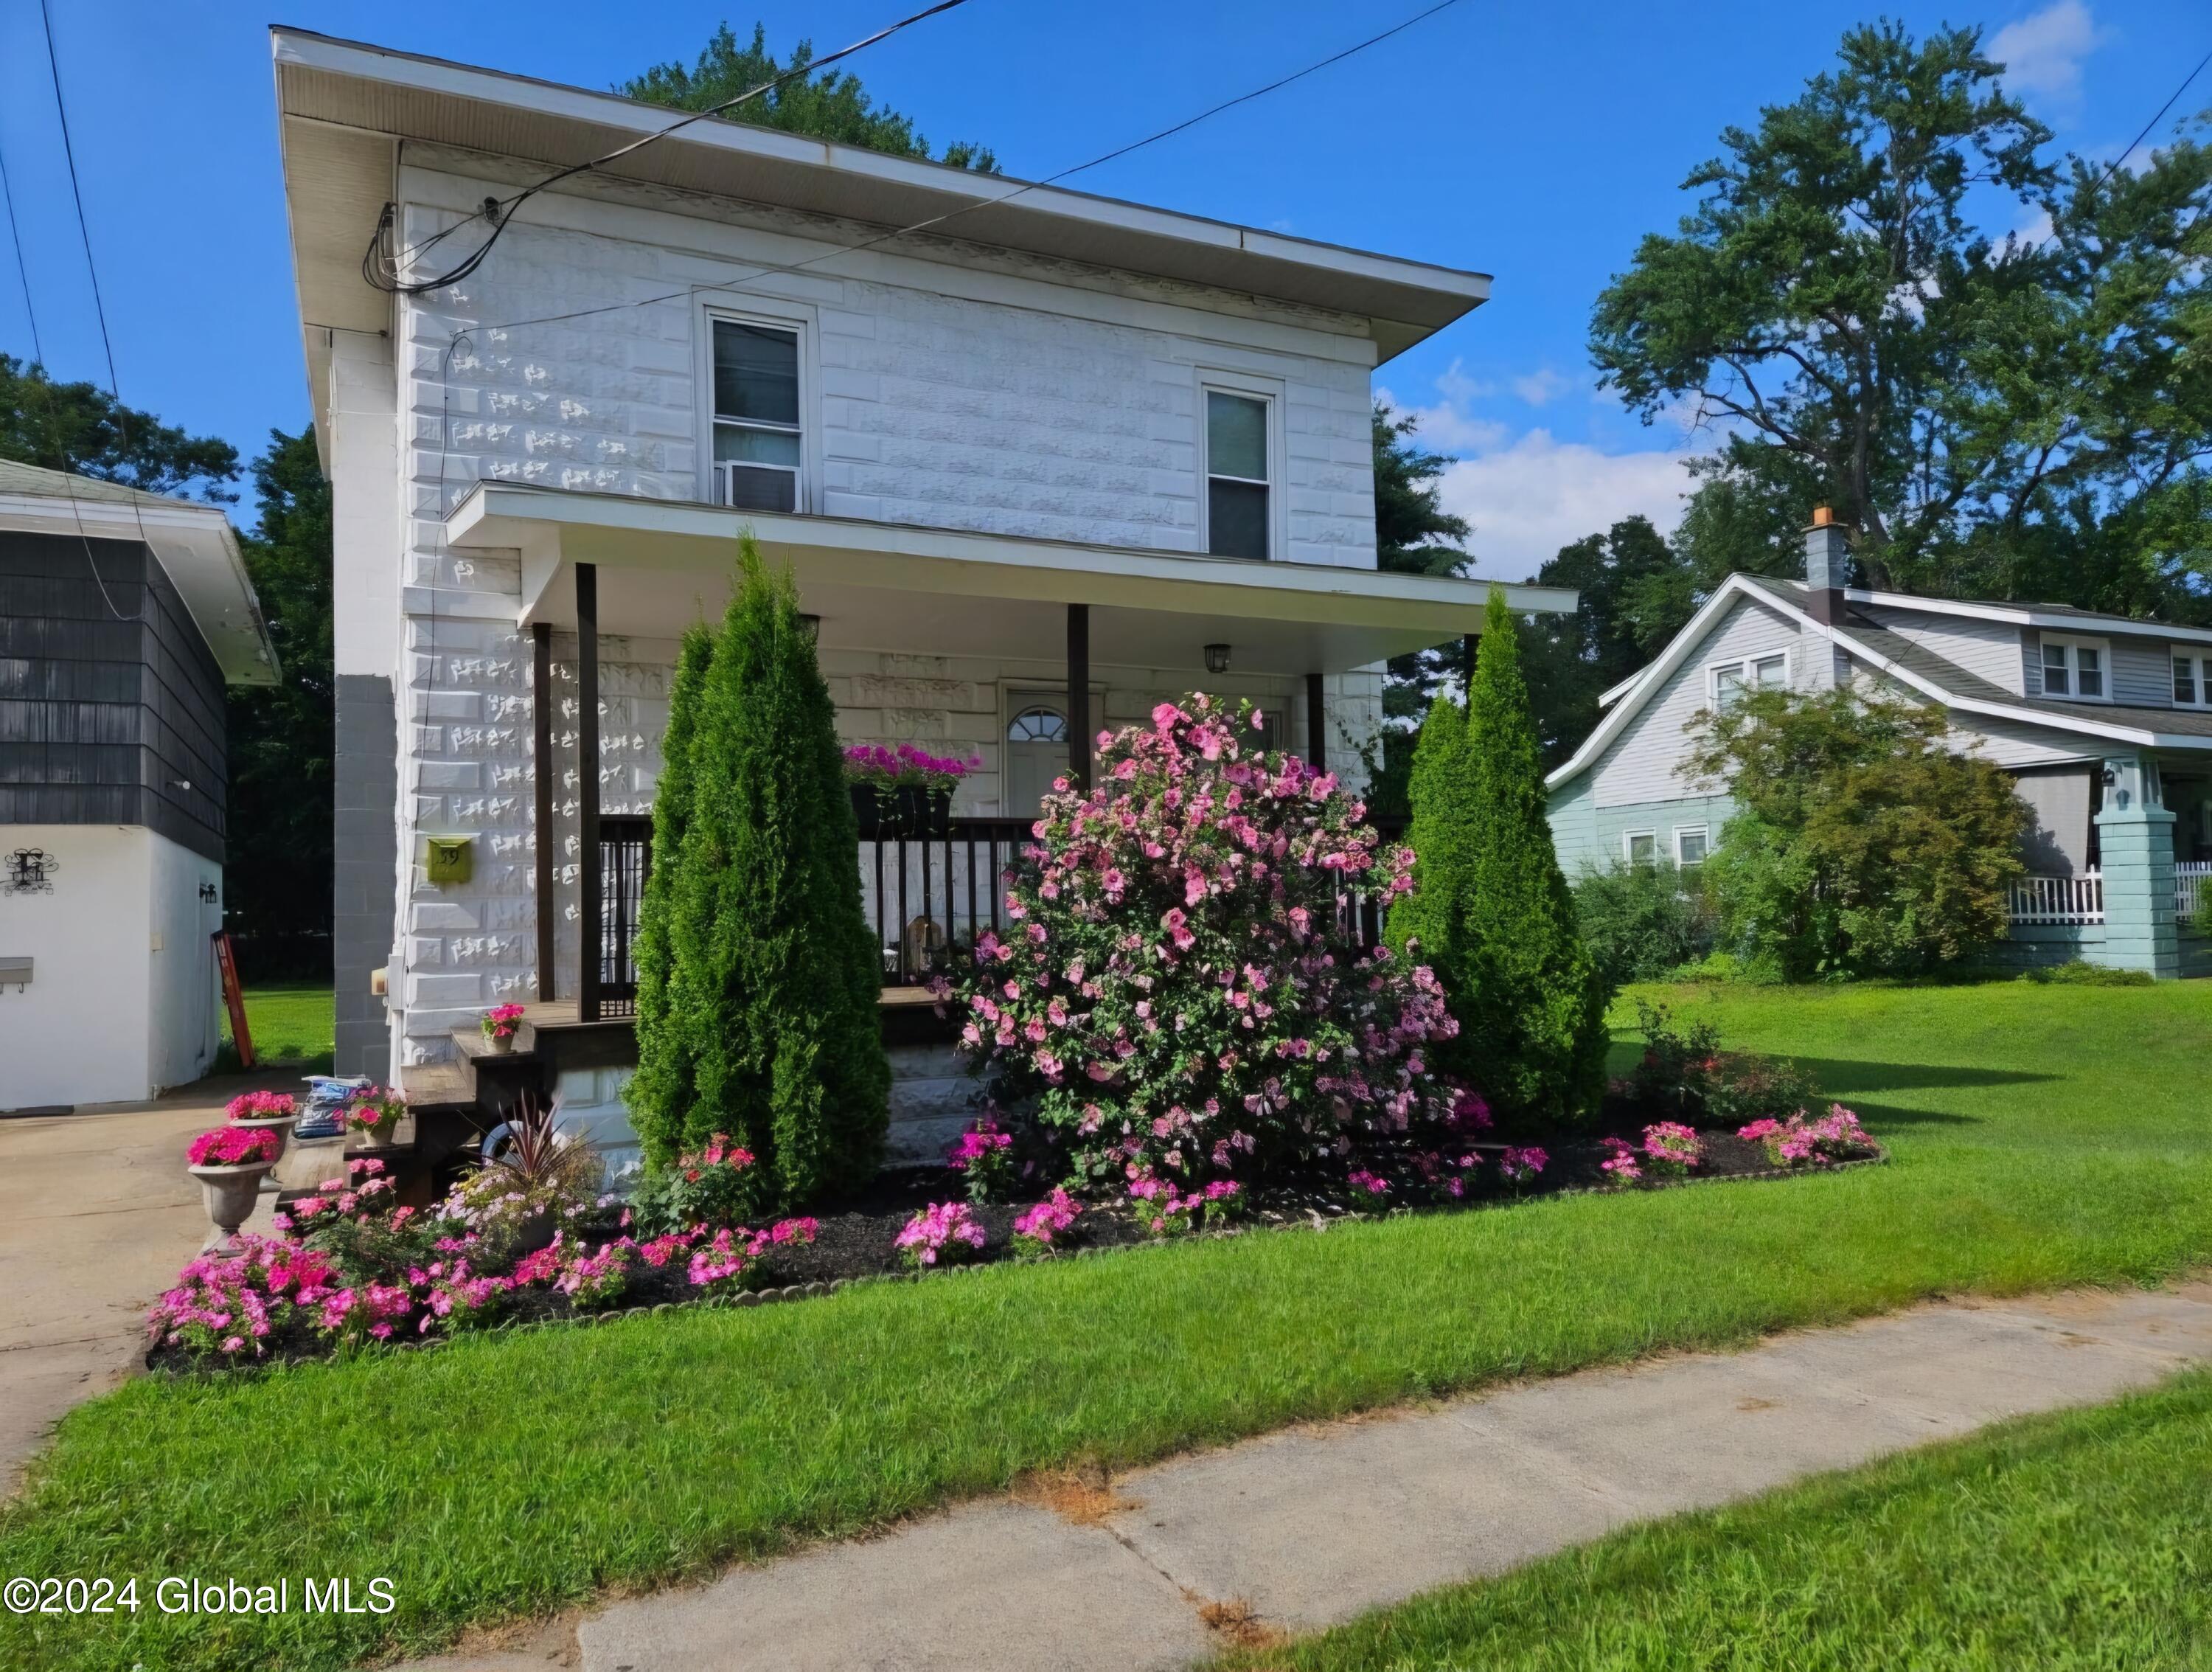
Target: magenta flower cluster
(500, 1021)
(1798, 1142)
(232, 1146)
(940, 1234)
(1671, 1148)
(260, 1106)
(1521, 1164)
(904, 767)
(226, 1305)
(1165, 1210)
(1037, 1228)
(1178, 990)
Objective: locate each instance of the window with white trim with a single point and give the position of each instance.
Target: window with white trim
(1240, 511)
(2076, 668)
(1691, 842)
(1640, 847)
(2192, 680)
(758, 437)
(1727, 683)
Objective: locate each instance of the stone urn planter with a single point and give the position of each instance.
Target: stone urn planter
(265, 1111)
(230, 1163)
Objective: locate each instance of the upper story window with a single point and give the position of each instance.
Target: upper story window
(1690, 844)
(2192, 679)
(1729, 682)
(1240, 513)
(2074, 668)
(758, 439)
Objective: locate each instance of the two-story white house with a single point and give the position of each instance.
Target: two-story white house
(1038, 464)
(2104, 721)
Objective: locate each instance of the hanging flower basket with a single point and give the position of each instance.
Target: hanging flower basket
(904, 792)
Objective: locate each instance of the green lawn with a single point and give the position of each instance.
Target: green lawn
(290, 1025)
(2043, 1135)
(2081, 1540)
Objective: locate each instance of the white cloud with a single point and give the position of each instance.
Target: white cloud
(1540, 387)
(2043, 51)
(1527, 500)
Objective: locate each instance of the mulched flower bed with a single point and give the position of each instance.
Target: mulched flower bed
(854, 1242)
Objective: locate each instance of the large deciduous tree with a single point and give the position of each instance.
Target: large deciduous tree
(830, 106)
(2011, 415)
(80, 426)
(1413, 535)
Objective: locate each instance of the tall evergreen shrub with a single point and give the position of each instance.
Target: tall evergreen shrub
(769, 951)
(660, 1094)
(1499, 925)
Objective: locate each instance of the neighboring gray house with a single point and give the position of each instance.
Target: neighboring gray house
(2106, 723)
(1036, 462)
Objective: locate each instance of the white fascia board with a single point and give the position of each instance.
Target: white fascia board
(1613, 693)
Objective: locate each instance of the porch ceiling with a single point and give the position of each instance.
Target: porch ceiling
(888, 587)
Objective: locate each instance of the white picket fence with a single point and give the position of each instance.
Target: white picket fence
(2189, 878)
(2058, 899)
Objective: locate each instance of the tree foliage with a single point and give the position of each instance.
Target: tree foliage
(80, 426)
(1491, 911)
(831, 105)
(768, 994)
(1641, 922)
(2000, 417)
(1413, 535)
(1864, 845)
(1622, 579)
(276, 877)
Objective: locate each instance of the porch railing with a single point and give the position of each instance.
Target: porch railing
(625, 861)
(2188, 891)
(2055, 900)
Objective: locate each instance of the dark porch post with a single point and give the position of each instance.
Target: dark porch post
(587, 770)
(1079, 696)
(541, 769)
(1467, 646)
(1316, 738)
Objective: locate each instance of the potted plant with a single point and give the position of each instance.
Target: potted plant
(264, 1111)
(904, 792)
(500, 1024)
(374, 1111)
(228, 1162)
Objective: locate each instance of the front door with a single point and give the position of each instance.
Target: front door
(1036, 749)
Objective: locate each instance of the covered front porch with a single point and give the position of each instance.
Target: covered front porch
(1014, 651)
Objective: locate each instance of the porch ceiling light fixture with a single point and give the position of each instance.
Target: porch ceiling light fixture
(1217, 659)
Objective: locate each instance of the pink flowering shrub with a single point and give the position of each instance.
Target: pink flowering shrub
(940, 1234)
(454, 1297)
(1165, 1210)
(1178, 992)
(984, 1158)
(711, 1187)
(1799, 1142)
(1521, 1164)
(724, 1263)
(1621, 1165)
(232, 1146)
(369, 1312)
(1671, 1149)
(260, 1106)
(1036, 1229)
(598, 1279)
(1369, 1184)
(227, 1306)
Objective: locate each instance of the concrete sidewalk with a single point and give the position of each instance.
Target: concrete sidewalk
(97, 1213)
(1307, 1528)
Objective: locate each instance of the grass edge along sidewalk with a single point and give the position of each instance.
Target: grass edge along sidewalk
(2043, 1136)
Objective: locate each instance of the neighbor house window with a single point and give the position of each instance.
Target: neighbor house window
(757, 435)
(1640, 847)
(1239, 512)
(1690, 845)
(2192, 680)
(2073, 667)
(1729, 681)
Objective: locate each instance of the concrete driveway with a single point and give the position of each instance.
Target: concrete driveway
(96, 1215)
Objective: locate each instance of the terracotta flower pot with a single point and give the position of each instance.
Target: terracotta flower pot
(229, 1193)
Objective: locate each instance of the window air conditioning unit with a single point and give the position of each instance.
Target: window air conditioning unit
(755, 487)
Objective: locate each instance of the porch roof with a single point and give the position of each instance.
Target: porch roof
(898, 587)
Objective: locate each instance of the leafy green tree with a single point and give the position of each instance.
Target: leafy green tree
(1986, 410)
(1413, 535)
(1641, 922)
(80, 426)
(832, 105)
(1863, 845)
(768, 951)
(277, 876)
(1573, 659)
(660, 1094)
(1497, 924)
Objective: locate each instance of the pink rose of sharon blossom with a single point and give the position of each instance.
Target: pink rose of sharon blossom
(1185, 1002)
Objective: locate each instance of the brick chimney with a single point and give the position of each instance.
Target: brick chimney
(1828, 560)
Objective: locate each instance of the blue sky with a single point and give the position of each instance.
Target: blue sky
(1536, 143)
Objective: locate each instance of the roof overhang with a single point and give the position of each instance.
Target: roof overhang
(2031, 615)
(888, 587)
(344, 106)
(197, 548)
(1629, 697)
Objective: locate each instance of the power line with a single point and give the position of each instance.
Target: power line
(981, 202)
(383, 274)
(2148, 126)
(22, 272)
